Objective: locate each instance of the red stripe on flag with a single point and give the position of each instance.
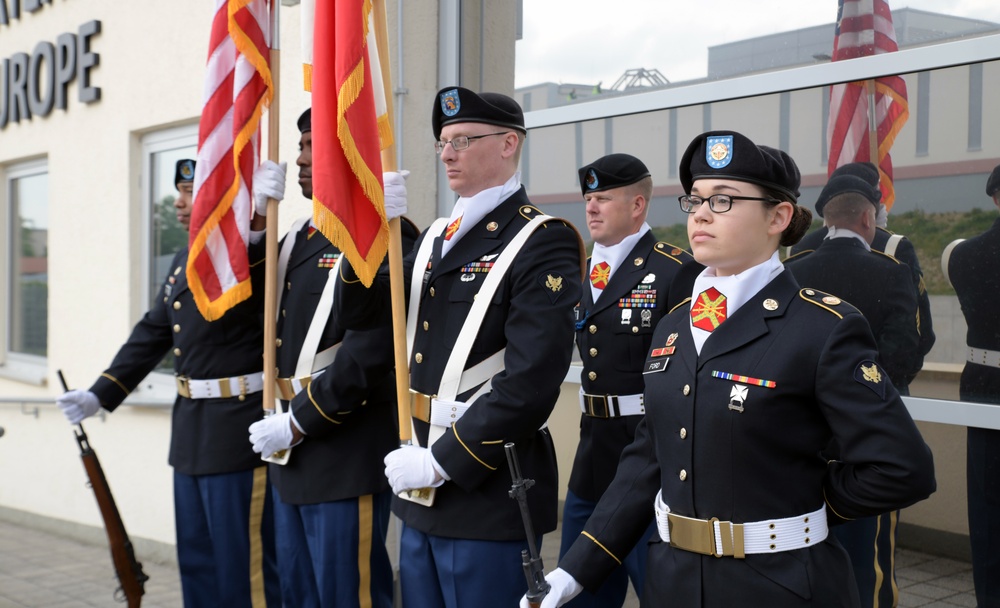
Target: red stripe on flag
(237, 89)
(864, 27)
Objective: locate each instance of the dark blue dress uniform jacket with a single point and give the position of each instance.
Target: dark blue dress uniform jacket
(614, 351)
(879, 286)
(208, 436)
(531, 315)
(762, 463)
(349, 411)
(974, 271)
(906, 254)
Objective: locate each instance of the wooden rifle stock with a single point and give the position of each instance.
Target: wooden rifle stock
(131, 578)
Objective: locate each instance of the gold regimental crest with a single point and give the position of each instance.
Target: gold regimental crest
(554, 283)
(871, 373)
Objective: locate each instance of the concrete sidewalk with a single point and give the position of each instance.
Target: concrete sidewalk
(42, 570)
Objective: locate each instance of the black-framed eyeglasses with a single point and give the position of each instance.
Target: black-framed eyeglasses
(719, 203)
(462, 141)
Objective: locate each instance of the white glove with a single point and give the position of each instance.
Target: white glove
(411, 467)
(563, 588)
(268, 182)
(272, 434)
(395, 193)
(77, 405)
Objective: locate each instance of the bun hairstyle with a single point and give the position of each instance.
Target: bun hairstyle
(797, 228)
(798, 225)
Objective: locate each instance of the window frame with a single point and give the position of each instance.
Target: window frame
(22, 367)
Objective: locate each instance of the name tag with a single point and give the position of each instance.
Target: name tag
(658, 365)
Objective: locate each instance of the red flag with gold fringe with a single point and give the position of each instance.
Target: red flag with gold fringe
(350, 127)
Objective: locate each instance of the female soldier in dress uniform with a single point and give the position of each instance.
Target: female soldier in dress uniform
(746, 383)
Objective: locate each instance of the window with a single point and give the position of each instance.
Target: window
(27, 271)
(166, 236)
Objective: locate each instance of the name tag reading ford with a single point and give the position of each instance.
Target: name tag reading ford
(655, 366)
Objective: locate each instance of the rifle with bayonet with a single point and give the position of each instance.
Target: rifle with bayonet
(531, 561)
(131, 578)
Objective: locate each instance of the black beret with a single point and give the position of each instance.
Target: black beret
(457, 104)
(305, 121)
(993, 184)
(865, 170)
(844, 183)
(184, 171)
(611, 171)
(730, 155)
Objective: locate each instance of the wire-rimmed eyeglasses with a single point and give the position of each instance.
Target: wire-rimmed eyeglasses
(719, 203)
(462, 141)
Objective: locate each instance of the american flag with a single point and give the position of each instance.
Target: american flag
(864, 27)
(238, 87)
(350, 127)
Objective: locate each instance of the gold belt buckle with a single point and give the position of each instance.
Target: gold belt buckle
(690, 534)
(420, 406)
(285, 389)
(592, 411)
(182, 386)
(698, 536)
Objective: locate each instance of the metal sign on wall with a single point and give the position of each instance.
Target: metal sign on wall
(33, 84)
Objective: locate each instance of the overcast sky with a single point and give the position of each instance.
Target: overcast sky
(590, 41)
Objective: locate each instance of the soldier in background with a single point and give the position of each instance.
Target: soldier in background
(624, 297)
(973, 268)
(879, 286)
(222, 509)
(895, 245)
(337, 390)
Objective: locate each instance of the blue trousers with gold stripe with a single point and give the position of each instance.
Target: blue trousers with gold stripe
(440, 572)
(225, 540)
(871, 544)
(333, 553)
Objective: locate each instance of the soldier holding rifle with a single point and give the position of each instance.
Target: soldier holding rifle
(225, 531)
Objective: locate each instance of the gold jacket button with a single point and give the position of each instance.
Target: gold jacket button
(593, 352)
(431, 292)
(592, 329)
(418, 358)
(278, 342)
(592, 376)
(682, 475)
(687, 389)
(684, 433)
(635, 329)
(426, 325)
(177, 352)
(288, 285)
(177, 305)
(177, 329)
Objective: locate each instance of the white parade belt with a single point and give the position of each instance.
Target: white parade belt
(220, 388)
(724, 538)
(989, 358)
(611, 406)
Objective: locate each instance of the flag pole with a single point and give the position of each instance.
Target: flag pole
(395, 244)
(872, 124)
(271, 234)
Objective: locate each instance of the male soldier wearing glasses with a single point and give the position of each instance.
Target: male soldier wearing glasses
(511, 354)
